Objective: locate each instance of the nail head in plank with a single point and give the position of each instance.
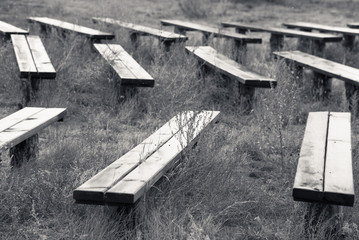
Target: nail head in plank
(308, 183)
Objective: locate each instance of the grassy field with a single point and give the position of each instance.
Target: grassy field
(236, 184)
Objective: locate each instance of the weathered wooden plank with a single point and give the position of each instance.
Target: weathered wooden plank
(30, 126)
(42, 61)
(230, 67)
(210, 30)
(353, 25)
(89, 32)
(144, 30)
(321, 65)
(8, 29)
(130, 72)
(338, 178)
(309, 178)
(322, 28)
(17, 117)
(94, 189)
(23, 56)
(136, 183)
(286, 32)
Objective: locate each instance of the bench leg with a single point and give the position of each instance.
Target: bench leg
(205, 38)
(27, 151)
(246, 98)
(317, 48)
(348, 42)
(241, 31)
(167, 45)
(125, 93)
(180, 30)
(239, 51)
(303, 44)
(322, 217)
(276, 42)
(321, 86)
(352, 95)
(135, 40)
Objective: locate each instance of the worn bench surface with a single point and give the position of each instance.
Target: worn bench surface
(89, 32)
(321, 65)
(144, 30)
(130, 72)
(210, 30)
(286, 32)
(324, 171)
(26, 122)
(128, 178)
(8, 29)
(230, 67)
(321, 27)
(32, 57)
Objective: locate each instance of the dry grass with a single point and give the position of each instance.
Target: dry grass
(236, 184)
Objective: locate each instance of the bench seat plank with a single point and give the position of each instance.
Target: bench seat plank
(286, 32)
(309, 179)
(23, 56)
(17, 117)
(353, 25)
(42, 61)
(137, 182)
(230, 67)
(130, 72)
(30, 126)
(339, 184)
(210, 30)
(94, 189)
(321, 27)
(321, 65)
(7, 29)
(163, 35)
(89, 32)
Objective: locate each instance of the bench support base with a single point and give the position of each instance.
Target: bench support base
(352, 95)
(321, 86)
(124, 93)
(135, 39)
(246, 98)
(317, 48)
(29, 87)
(239, 51)
(348, 42)
(322, 219)
(276, 42)
(27, 151)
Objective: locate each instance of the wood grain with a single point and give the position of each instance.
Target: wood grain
(309, 178)
(23, 56)
(42, 61)
(322, 28)
(338, 179)
(230, 68)
(189, 26)
(130, 72)
(323, 66)
(286, 32)
(29, 126)
(70, 27)
(94, 189)
(144, 30)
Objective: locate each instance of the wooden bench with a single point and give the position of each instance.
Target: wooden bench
(33, 62)
(324, 172)
(7, 29)
(348, 34)
(242, 78)
(323, 70)
(19, 131)
(166, 38)
(240, 40)
(131, 74)
(92, 34)
(127, 179)
(316, 47)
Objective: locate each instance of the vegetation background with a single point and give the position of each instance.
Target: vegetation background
(235, 185)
